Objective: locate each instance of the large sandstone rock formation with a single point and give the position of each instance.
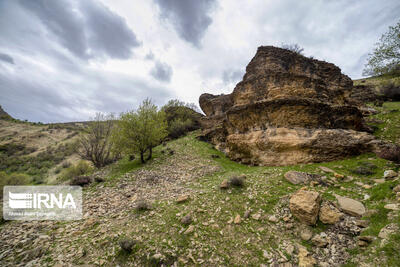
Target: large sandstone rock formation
(288, 109)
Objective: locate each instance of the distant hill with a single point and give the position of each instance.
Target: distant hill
(378, 82)
(4, 115)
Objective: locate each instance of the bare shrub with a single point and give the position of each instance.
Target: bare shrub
(81, 180)
(96, 144)
(237, 181)
(294, 48)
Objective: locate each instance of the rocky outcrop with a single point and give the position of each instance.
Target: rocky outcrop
(288, 109)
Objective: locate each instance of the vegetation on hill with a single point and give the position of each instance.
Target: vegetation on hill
(181, 118)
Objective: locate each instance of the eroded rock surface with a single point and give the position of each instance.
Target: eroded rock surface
(288, 109)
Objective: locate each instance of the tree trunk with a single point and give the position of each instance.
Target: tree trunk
(150, 153)
(142, 156)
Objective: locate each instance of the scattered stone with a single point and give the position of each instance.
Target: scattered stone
(362, 243)
(256, 216)
(224, 184)
(338, 176)
(273, 219)
(182, 198)
(297, 177)
(290, 249)
(237, 219)
(389, 229)
(319, 241)
(392, 207)
(389, 174)
(379, 181)
(366, 238)
(187, 220)
(362, 223)
(326, 169)
(351, 206)
(329, 214)
(246, 214)
(305, 206)
(189, 230)
(367, 186)
(157, 257)
(396, 188)
(306, 234)
(305, 259)
(127, 244)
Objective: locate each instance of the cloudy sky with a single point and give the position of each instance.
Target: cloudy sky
(64, 60)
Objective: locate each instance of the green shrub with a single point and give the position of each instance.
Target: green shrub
(179, 127)
(79, 169)
(181, 118)
(13, 179)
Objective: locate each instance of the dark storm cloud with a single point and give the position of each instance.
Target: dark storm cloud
(87, 29)
(6, 58)
(52, 41)
(161, 71)
(190, 18)
(232, 76)
(108, 33)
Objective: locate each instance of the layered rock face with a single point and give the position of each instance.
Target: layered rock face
(288, 109)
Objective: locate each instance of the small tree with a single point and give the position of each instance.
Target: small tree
(293, 47)
(140, 131)
(386, 55)
(96, 144)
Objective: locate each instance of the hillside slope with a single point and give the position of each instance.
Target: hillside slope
(37, 150)
(240, 226)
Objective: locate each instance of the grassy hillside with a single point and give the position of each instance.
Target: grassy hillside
(378, 82)
(37, 150)
(215, 236)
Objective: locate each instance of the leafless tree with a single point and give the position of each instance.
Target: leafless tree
(96, 144)
(293, 47)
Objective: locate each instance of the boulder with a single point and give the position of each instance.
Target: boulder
(396, 189)
(305, 259)
(304, 205)
(329, 214)
(351, 206)
(297, 177)
(319, 241)
(392, 207)
(288, 109)
(389, 174)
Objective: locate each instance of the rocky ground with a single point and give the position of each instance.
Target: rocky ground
(192, 206)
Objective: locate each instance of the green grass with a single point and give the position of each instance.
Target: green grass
(389, 129)
(265, 191)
